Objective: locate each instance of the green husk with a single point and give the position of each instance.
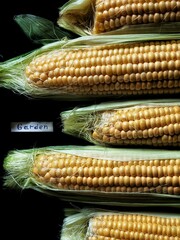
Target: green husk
(12, 71)
(19, 176)
(77, 222)
(77, 16)
(41, 30)
(80, 121)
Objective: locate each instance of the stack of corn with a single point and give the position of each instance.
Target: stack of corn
(109, 60)
(143, 63)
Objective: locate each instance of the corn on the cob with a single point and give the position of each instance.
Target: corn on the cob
(87, 17)
(102, 67)
(146, 177)
(110, 15)
(152, 123)
(101, 224)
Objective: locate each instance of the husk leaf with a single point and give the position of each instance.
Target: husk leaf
(75, 225)
(40, 30)
(76, 16)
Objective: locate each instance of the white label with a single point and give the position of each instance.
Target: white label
(31, 127)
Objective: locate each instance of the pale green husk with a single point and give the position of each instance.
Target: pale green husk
(41, 30)
(12, 71)
(75, 225)
(77, 16)
(18, 175)
(81, 121)
(77, 222)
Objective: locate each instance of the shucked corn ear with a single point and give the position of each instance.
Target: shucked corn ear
(101, 224)
(97, 66)
(98, 175)
(85, 17)
(132, 123)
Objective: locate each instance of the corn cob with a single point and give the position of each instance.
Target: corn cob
(100, 224)
(137, 177)
(132, 123)
(87, 17)
(111, 15)
(101, 67)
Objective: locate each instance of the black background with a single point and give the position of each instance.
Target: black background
(29, 214)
